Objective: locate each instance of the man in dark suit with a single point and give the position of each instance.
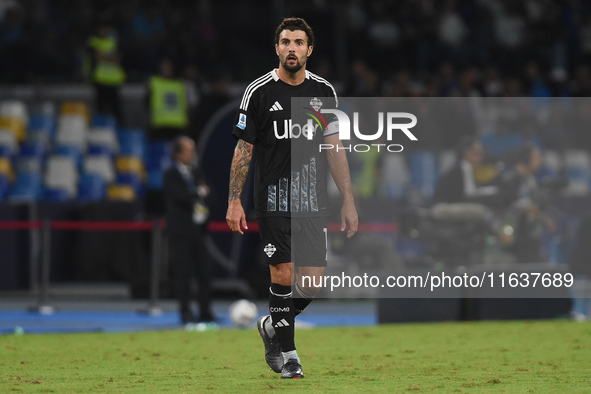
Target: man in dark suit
(186, 213)
(459, 185)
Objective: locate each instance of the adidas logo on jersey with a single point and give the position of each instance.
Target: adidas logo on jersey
(282, 323)
(276, 107)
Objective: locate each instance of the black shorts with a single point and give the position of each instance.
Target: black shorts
(302, 241)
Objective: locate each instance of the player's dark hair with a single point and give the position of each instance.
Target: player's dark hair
(294, 24)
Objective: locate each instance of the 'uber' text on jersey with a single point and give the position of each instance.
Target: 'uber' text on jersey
(291, 130)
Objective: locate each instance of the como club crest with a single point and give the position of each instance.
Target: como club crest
(316, 103)
(270, 249)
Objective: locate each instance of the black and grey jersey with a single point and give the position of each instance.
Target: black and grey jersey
(290, 173)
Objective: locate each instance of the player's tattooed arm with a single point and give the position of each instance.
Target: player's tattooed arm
(239, 169)
(235, 216)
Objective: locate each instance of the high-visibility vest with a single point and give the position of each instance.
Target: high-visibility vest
(106, 73)
(365, 181)
(168, 103)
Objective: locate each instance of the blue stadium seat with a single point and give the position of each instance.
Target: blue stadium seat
(56, 195)
(40, 136)
(32, 149)
(4, 186)
(70, 151)
(499, 144)
(158, 156)
(7, 151)
(100, 120)
(28, 187)
(91, 188)
(133, 142)
(424, 172)
(132, 179)
(100, 150)
(42, 122)
(578, 172)
(8, 145)
(155, 179)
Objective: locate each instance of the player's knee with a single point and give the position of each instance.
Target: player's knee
(281, 274)
(310, 291)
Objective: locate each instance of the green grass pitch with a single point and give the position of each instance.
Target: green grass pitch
(543, 356)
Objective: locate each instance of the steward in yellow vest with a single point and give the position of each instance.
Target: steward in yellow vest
(169, 111)
(105, 71)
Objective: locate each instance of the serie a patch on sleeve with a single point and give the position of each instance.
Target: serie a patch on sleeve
(242, 121)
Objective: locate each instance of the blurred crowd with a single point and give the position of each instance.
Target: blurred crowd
(402, 47)
(397, 48)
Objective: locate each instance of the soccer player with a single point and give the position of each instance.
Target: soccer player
(287, 198)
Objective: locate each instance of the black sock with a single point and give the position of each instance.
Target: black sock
(301, 300)
(282, 314)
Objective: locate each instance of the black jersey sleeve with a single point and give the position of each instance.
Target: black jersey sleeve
(245, 124)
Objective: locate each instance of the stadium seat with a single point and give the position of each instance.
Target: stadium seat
(159, 155)
(551, 165)
(33, 149)
(47, 107)
(500, 144)
(100, 165)
(100, 150)
(424, 172)
(91, 188)
(45, 122)
(4, 186)
(99, 120)
(56, 195)
(15, 125)
(132, 142)
(395, 176)
(29, 164)
(103, 137)
(121, 193)
(8, 145)
(28, 187)
(155, 179)
(132, 179)
(72, 130)
(447, 159)
(578, 172)
(6, 168)
(15, 109)
(70, 151)
(75, 108)
(40, 136)
(552, 161)
(62, 173)
(131, 164)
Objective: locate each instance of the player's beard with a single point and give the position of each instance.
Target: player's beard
(296, 67)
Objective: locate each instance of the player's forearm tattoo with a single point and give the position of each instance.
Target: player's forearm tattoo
(239, 169)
